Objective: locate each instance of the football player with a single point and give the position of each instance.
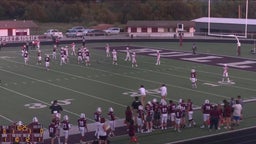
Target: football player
(87, 58)
(142, 92)
(178, 116)
(79, 56)
(158, 56)
(73, 47)
(164, 114)
(149, 116)
(66, 127)
(134, 61)
(225, 74)
(114, 56)
(26, 57)
(140, 119)
(82, 126)
(97, 117)
(54, 52)
(52, 131)
(128, 55)
(190, 113)
(163, 91)
(193, 78)
(47, 62)
(107, 50)
(206, 109)
(171, 112)
(111, 117)
(39, 57)
(62, 56)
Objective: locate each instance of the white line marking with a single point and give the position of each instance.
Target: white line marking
(38, 100)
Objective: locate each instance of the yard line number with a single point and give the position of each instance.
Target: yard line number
(41, 105)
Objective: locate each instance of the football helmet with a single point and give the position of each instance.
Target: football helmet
(65, 117)
(111, 109)
(193, 70)
(35, 120)
(82, 115)
(99, 109)
(140, 107)
(207, 101)
(154, 100)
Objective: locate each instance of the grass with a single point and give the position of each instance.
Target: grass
(27, 90)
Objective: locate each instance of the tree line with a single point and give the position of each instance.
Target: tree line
(90, 12)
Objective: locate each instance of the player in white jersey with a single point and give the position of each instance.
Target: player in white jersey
(142, 92)
(107, 50)
(193, 78)
(163, 91)
(128, 55)
(134, 61)
(73, 47)
(114, 56)
(225, 73)
(39, 57)
(158, 56)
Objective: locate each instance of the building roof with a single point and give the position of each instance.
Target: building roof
(226, 20)
(158, 23)
(7, 24)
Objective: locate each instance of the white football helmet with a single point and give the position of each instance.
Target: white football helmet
(154, 100)
(178, 107)
(111, 109)
(225, 65)
(99, 109)
(193, 70)
(35, 120)
(149, 102)
(65, 117)
(206, 101)
(163, 102)
(82, 115)
(19, 123)
(140, 107)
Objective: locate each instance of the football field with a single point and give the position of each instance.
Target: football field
(28, 90)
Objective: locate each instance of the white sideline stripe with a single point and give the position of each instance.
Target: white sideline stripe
(69, 89)
(6, 118)
(29, 97)
(211, 135)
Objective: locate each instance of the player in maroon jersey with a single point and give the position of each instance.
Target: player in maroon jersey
(66, 127)
(82, 127)
(87, 58)
(156, 117)
(47, 62)
(178, 116)
(140, 119)
(54, 52)
(190, 113)
(193, 78)
(149, 116)
(206, 108)
(111, 118)
(164, 114)
(52, 131)
(183, 109)
(128, 116)
(79, 56)
(97, 117)
(131, 132)
(171, 112)
(26, 57)
(56, 120)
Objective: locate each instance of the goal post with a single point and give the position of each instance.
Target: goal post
(243, 35)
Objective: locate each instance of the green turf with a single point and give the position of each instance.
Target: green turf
(103, 84)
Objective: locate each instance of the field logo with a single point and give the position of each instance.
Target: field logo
(136, 93)
(41, 105)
